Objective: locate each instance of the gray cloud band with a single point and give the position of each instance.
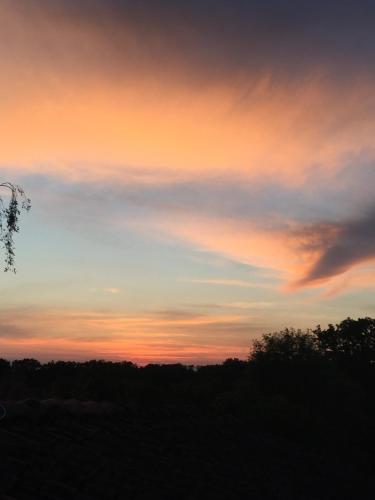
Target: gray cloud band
(354, 244)
(216, 38)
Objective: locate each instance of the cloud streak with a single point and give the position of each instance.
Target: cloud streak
(224, 282)
(163, 336)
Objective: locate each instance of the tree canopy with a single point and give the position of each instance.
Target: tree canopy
(349, 342)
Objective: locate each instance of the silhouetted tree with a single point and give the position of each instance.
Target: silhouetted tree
(9, 216)
(286, 345)
(27, 365)
(349, 341)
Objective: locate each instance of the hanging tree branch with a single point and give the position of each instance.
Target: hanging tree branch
(9, 216)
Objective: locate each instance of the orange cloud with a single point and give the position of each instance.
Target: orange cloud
(80, 103)
(289, 248)
(242, 240)
(93, 131)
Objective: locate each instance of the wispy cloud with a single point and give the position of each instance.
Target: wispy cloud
(250, 305)
(110, 290)
(225, 282)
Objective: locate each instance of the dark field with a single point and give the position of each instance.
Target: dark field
(296, 421)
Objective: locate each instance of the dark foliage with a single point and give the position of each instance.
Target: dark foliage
(9, 217)
(294, 421)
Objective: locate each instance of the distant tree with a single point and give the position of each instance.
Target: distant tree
(27, 365)
(9, 216)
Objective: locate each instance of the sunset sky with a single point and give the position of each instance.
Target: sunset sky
(201, 172)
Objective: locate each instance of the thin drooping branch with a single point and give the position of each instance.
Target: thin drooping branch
(9, 217)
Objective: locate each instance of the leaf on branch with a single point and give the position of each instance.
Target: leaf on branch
(9, 217)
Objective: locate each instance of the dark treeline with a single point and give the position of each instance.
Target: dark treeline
(295, 420)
